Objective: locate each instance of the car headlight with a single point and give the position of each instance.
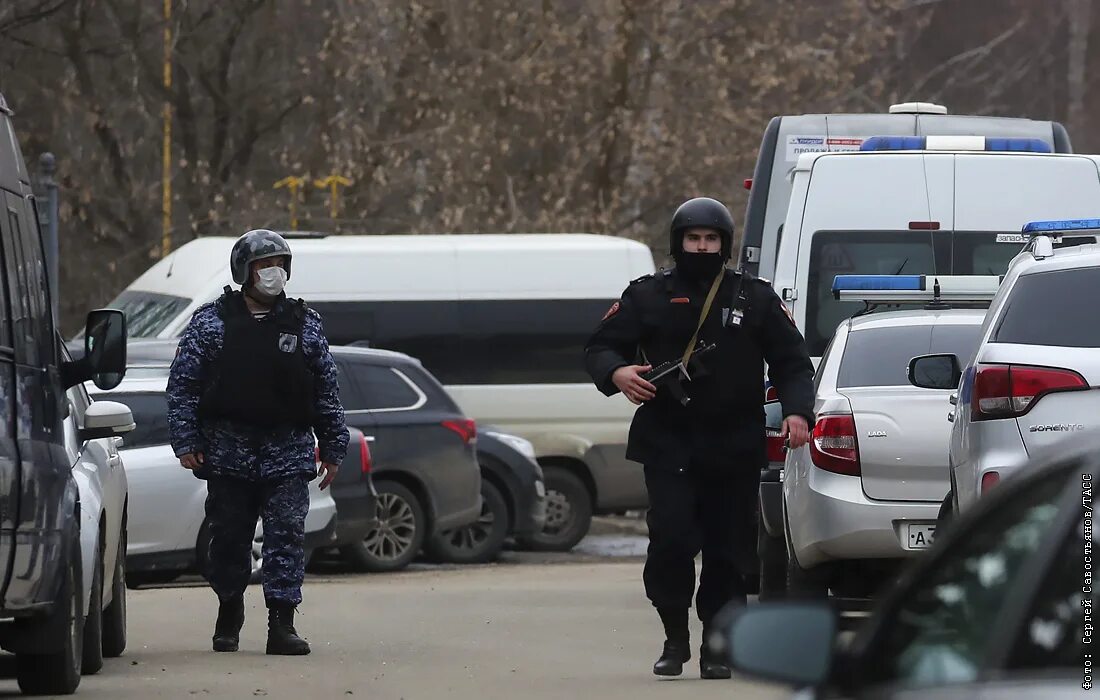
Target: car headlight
(524, 447)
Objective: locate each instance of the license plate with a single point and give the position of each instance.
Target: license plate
(921, 536)
(540, 489)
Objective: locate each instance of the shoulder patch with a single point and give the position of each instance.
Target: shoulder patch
(612, 311)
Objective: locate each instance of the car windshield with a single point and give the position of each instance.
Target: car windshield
(148, 313)
(892, 253)
(880, 356)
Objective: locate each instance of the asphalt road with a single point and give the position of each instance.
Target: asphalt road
(524, 628)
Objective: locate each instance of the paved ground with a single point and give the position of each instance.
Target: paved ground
(577, 628)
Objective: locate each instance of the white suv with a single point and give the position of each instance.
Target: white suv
(1034, 377)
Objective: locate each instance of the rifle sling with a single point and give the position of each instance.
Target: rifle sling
(703, 316)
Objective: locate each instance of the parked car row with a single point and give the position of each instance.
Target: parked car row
(420, 477)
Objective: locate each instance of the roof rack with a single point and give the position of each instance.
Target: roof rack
(303, 234)
(930, 291)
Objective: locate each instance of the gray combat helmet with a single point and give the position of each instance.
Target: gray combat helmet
(256, 245)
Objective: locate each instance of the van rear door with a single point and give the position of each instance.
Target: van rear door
(1002, 192)
(862, 216)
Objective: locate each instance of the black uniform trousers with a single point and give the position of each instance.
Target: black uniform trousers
(692, 509)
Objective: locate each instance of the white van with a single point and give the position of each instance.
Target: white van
(499, 319)
(787, 138)
(948, 212)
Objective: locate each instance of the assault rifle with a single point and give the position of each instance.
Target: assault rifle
(672, 374)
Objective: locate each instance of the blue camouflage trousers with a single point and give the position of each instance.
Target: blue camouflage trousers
(232, 507)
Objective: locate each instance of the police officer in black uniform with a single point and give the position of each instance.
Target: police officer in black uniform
(701, 436)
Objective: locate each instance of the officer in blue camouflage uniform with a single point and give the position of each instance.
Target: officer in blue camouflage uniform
(251, 384)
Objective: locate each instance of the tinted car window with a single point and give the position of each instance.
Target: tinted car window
(150, 415)
(880, 356)
(381, 388)
(1052, 633)
(941, 631)
(1031, 318)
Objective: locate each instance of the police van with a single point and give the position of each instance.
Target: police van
(499, 319)
(787, 138)
(917, 205)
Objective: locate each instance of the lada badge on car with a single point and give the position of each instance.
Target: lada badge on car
(876, 434)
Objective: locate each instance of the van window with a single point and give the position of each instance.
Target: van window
(148, 313)
(1036, 312)
(5, 302)
(30, 300)
(889, 253)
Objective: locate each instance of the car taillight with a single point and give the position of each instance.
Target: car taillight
(364, 455)
(833, 446)
(1008, 391)
(776, 453)
(770, 394)
(989, 480)
(466, 428)
(317, 455)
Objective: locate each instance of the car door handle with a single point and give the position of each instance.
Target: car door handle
(954, 399)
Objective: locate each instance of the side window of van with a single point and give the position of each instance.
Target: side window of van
(30, 298)
(5, 282)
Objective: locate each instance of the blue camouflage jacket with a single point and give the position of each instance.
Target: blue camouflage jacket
(232, 449)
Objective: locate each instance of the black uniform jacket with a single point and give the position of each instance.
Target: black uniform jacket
(724, 422)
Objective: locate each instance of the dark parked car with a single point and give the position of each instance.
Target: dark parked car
(513, 501)
(998, 607)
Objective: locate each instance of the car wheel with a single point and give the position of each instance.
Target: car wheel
(58, 673)
(804, 584)
(772, 552)
(568, 512)
(92, 653)
(395, 541)
(947, 511)
(114, 617)
(479, 542)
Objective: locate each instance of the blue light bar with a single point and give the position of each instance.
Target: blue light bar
(955, 143)
(1061, 225)
(1018, 145)
(894, 143)
(915, 289)
(878, 283)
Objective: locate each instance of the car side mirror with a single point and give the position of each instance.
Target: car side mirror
(104, 360)
(105, 419)
(758, 641)
(934, 371)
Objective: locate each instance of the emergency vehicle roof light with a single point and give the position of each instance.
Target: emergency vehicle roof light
(954, 143)
(1053, 228)
(915, 289)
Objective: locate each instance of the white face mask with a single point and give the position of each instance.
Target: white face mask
(271, 282)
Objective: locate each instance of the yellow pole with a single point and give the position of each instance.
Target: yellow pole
(166, 155)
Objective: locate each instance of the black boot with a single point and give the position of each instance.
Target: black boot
(677, 649)
(227, 630)
(711, 665)
(282, 638)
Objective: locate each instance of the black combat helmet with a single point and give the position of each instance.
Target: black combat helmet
(256, 245)
(701, 212)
